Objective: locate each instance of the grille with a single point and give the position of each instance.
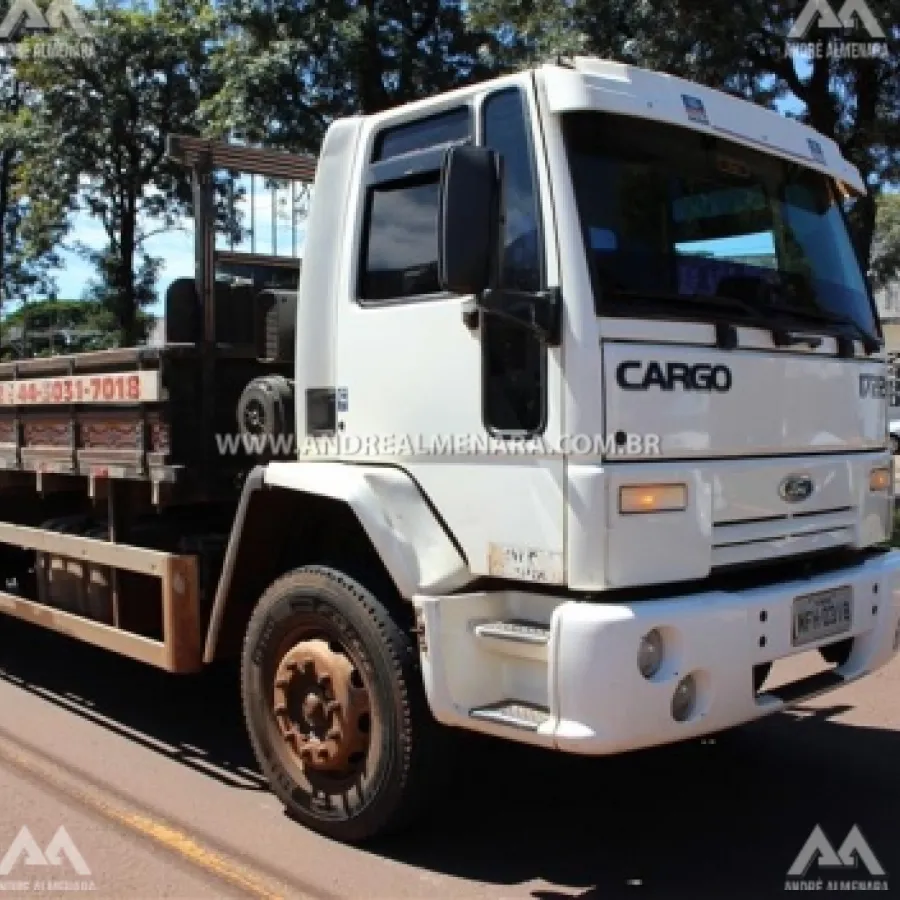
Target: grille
(748, 539)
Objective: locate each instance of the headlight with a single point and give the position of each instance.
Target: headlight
(649, 498)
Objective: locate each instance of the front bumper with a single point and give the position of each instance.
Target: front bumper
(584, 677)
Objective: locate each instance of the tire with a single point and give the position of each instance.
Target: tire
(314, 608)
(895, 445)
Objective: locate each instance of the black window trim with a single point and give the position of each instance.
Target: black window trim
(414, 165)
(532, 156)
(378, 140)
(837, 200)
(531, 149)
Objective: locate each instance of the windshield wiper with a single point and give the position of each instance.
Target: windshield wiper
(870, 343)
(757, 310)
(726, 332)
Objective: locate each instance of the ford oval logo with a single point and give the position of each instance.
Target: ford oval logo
(795, 488)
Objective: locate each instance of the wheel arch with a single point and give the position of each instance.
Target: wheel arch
(299, 513)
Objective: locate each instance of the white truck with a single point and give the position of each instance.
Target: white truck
(581, 416)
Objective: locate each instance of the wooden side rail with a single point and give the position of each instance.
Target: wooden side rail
(179, 651)
(199, 152)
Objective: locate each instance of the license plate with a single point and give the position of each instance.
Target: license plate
(822, 615)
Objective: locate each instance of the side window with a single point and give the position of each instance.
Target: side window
(400, 258)
(506, 131)
(441, 129)
(515, 358)
(399, 247)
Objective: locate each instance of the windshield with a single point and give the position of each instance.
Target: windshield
(668, 212)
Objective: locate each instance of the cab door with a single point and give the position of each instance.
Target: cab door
(427, 386)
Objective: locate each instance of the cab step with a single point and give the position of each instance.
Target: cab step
(514, 713)
(518, 638)
(516, 630)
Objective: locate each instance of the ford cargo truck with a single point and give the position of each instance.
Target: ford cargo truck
(408, 480)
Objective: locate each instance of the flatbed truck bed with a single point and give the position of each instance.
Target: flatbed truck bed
(116, 502)
(120, 414)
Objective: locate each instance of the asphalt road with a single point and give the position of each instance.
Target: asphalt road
(152, 779)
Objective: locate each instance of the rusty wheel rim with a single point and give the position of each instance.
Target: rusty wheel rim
(323, 709)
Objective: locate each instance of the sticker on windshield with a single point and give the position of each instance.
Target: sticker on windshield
(815, 148)
(694, 108)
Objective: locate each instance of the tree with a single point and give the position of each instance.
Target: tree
(114, 109)
(886, 246)
(31, 221)
(44, 327)
(855, 101)
(287, 68)
(100, 294)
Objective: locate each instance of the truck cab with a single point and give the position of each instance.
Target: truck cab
(550, 269)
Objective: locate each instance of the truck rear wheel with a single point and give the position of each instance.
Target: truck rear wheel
(335, 707)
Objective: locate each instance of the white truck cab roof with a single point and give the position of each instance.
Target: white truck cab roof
(591, 83)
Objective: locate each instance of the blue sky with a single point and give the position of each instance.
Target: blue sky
(176, 246)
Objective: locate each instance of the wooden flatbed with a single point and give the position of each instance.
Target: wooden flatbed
(156, 414)
(132, 413)
(117, 500)
(114, 413)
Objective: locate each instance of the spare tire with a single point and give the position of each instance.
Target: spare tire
(265, 416)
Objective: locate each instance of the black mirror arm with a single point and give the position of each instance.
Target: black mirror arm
(539, 311)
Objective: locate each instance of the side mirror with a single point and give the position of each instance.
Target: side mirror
(469, 219)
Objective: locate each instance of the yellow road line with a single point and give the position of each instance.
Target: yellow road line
(173, 839)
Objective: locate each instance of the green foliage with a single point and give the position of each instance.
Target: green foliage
(47, 327)
(113, 110)
(51, 327)
(32, 221)
(103, 294)
(886, 250)
(287, 68)
(59, 314)
(88, 132)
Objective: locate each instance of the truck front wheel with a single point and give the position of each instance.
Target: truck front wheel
(335, 707)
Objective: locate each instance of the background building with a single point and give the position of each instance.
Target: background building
(888, 300)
